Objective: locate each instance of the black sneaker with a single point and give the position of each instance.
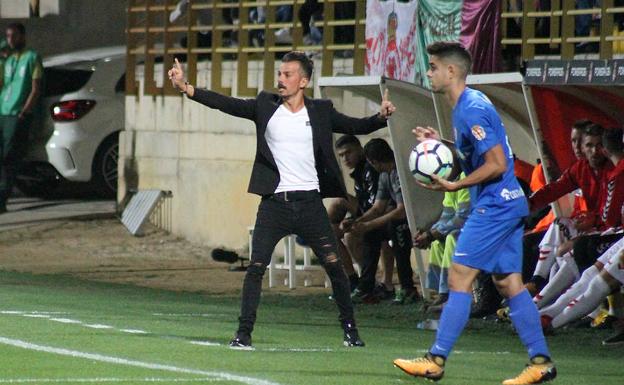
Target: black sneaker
(241, 341)
(351, 335)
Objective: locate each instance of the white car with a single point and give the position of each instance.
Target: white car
(75, 134)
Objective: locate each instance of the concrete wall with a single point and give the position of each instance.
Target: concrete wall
(80, 24)
(202, 155)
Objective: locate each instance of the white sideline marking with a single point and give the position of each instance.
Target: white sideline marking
(98, 326)
(20, 312)
(66, 320)
(133, 331)
(205, 343)
(95, 380)
(37, 315)
(139, 364)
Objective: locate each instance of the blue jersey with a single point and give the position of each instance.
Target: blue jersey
(478, 128)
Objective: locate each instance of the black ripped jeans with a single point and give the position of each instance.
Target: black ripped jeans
(303, 214)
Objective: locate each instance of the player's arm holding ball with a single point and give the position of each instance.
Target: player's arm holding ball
(494, 165)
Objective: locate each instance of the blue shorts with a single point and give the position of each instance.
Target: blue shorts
(491, 245)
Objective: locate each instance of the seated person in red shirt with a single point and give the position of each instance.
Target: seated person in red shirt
(588, 291)
(590, 174)
(562, 229)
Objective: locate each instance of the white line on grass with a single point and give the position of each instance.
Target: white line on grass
(205, 343)
(66, 321)
(98, 326)
(103, 379)
(139, 364)
(133, 331)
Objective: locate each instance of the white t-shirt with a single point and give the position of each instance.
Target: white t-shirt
(289, 136)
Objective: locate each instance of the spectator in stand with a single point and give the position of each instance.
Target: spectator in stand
(204, 19)
(342, 210)
(591, 174)
(381, 157)
(342, 34)
(441, 238)
(607, 273)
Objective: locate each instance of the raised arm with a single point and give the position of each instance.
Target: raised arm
(359, 126)
(242, 108)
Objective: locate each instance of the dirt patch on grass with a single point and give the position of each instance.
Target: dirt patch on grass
(103, 250)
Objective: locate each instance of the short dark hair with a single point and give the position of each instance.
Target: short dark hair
(594, 129)
(19, 27)
(378, 150)
(453, 51)
(307, 65)
(612, 140)
(581, 124)
(346, 140)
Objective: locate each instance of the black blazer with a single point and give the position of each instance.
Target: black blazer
(324, 120)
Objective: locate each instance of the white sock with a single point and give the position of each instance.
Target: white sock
(545, 261)
(567, 274)
(574, 291)
(596, 312)
(597, 291)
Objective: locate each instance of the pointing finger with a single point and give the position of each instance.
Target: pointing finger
(385, 95)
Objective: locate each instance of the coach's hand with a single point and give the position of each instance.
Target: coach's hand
(387, 108)
(176, 75)
(422, 133)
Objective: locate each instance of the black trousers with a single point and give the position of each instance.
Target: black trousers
(401, 237)
(301, 213)
(530, 253)
(588, 248)
(13, 141)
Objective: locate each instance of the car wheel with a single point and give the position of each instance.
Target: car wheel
(37, 179)
(105, 171)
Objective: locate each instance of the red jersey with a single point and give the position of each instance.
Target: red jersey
(593, 184)
(611, 214)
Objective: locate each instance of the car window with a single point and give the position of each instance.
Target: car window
(59, 81)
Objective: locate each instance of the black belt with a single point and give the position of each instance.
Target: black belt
(291, 196)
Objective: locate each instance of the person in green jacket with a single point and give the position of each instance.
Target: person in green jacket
(21, 86)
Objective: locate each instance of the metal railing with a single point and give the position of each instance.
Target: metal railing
(152, 39)
(552, 31)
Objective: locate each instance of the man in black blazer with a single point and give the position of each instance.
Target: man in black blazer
(294, 169)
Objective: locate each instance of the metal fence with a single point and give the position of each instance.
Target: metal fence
(222, 30)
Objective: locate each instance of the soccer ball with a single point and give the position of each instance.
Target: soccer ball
(430, 157)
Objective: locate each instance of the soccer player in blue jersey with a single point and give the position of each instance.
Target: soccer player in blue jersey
(491, 239)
